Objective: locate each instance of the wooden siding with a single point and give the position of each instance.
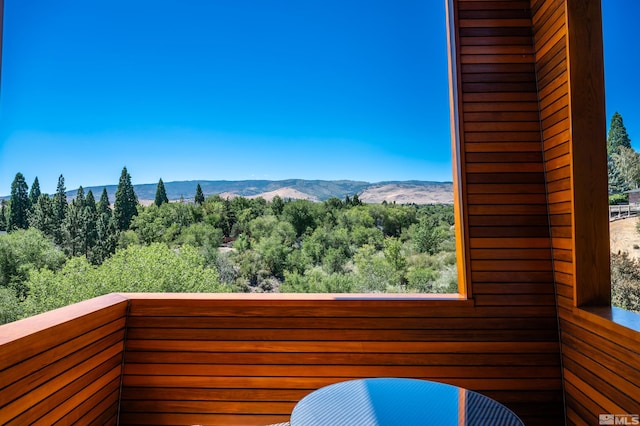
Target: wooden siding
(63, 366)
(601, 359)
(242, 359)
(219, 360)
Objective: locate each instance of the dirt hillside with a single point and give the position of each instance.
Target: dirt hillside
(409, 194)
(624, 236)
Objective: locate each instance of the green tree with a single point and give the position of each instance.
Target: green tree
(627, 164)
(80, 199)
(199, 198)
(43, 216)
(617, 138)
(60, 207)
(428, 235)
(34, 193)
(154, 268)
(72, 229)
(89, 225)
(617, 135)
(393, 254)
(18, 215)
(228, 217)
(161, 194)
(90, 202)
(10, 306)
(3, 215)
(104, 206)
(625, 282)
(106, 238)
(23, 252)
(126, 204)
(301, 215)
(277, 205)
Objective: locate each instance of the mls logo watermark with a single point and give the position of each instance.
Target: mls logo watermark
(619, 419)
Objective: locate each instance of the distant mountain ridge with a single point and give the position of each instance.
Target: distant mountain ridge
(412, 191)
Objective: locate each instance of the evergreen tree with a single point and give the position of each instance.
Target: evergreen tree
(617, 135)
(106, 234)
(617, 138)
(19, 204)
(90, 202)
(91, 215)
(34, 193)
(60, 207)
(3, 215)
(161, 194)
(106, 238)
(80, 201)
(79, 227)
(126, 204)
(42, 216)
(72, 230)
(199, 198)
(104, 205)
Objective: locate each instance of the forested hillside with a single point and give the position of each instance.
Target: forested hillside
(58, 252)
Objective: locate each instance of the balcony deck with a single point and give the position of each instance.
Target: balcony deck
(534, 331)
(134, 359)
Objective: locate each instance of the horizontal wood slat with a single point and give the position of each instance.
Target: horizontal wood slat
(505, 203)
(601, 367)
(247, 359)
(63, 365)
(258, 361)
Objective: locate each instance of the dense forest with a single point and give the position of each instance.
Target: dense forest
(59, 252)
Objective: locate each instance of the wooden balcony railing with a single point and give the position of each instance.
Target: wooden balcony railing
(247, 359)
(64, 366)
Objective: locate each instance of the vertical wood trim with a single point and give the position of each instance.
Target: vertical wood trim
(457, 135)
(588, 152)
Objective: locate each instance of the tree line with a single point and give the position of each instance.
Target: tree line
(623, 162)
(58, 252)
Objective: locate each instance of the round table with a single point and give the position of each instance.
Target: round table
(393, 401)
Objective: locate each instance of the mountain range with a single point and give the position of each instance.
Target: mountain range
(413, 191)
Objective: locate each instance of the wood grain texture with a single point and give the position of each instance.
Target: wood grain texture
(62, 365)
(214, 360)
(525, 92)
(601, 360)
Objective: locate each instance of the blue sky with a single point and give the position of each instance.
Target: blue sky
(274, 89)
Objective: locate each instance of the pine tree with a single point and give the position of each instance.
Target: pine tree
(104, 206)
(617, 135)
(19, 204)
(3, 215)
(90, 202)
(126, 205)
(34, 193)
(199, 198)
(80, 201)
(88, 219)
(161, 194)
(60, 207)
(42, 217)
(72, 230)
(106, 238)
(106, 235)
(617, 138)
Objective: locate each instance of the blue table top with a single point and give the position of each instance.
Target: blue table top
(392, 401)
